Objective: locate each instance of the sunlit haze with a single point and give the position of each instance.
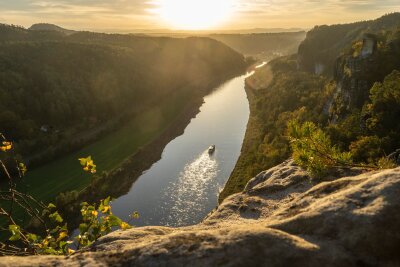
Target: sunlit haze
(195, 14)
(125, 15)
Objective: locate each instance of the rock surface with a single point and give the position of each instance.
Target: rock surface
(283, 218)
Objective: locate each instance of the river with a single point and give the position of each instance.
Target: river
(182, 187)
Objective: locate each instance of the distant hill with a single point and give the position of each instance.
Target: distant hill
(262, 43)
(183, 33)
(49, 27)
(70, 81)
(324, 44)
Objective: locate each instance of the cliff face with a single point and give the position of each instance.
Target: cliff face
(282, 218)
(352, 81)
(324, 44)
(369, 60)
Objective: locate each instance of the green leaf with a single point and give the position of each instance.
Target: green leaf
(106, 201)
(56, 217)
(62, 244)
(51, 206)
(32, 237)
(114, 220)
(15, 237)
(55, 230)
(51, 251)
(83, 161)
(135, 215)
(15, 232)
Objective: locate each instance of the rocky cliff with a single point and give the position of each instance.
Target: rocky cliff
(324, 44)
(282, 218)
(369, 60)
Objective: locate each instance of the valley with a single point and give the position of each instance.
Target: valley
(202, 146)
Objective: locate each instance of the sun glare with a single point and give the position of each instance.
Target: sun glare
(195, 14)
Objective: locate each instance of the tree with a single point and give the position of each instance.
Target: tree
(313, 150)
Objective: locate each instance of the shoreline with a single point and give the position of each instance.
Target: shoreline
(235, 184)
(118, 182)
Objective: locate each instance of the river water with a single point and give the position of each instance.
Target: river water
(182, 187)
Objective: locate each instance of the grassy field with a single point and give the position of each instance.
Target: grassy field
(66, 174)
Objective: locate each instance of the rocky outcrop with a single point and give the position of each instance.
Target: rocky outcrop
(324, 44)
(282, 218)
(356, 71)
(354, 78)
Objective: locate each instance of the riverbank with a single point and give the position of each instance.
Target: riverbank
(282, 93)
(119, 181)
(253, 136)
(108, 152)
(261, 79)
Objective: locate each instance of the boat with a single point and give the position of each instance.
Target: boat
(211, 149)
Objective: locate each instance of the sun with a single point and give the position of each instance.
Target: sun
(194, 14)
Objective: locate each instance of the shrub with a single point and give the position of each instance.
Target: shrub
(313, 150)
(97, 221)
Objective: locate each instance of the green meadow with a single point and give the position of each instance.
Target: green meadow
(66, 174)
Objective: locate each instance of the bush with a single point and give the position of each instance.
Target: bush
(313, 150)
(54, 238)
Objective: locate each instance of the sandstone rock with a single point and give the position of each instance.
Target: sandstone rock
(282, 218)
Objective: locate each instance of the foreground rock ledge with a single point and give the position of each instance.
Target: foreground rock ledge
(282, 218)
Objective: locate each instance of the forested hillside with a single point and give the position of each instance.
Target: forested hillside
(58, 88)
(325, 43)
(354, 98)
(49, 27)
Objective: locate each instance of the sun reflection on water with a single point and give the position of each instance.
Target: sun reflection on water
(188, 194)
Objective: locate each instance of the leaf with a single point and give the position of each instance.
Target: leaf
(56, 217)
(51, 206)
(61, 236)
(125, 226)
(62, 244)
(22, 168)
(15, 232)
(105, 209)
(55, 230)
(88, 164)
(15, 237)
(135, 215)
(51, 251)
(32, 237)
(6, 146)
(83, 161)
(114, 220)
(106, 201)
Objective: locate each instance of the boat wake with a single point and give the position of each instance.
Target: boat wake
(189, 193)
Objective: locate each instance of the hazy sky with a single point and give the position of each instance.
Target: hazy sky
(137, 14)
